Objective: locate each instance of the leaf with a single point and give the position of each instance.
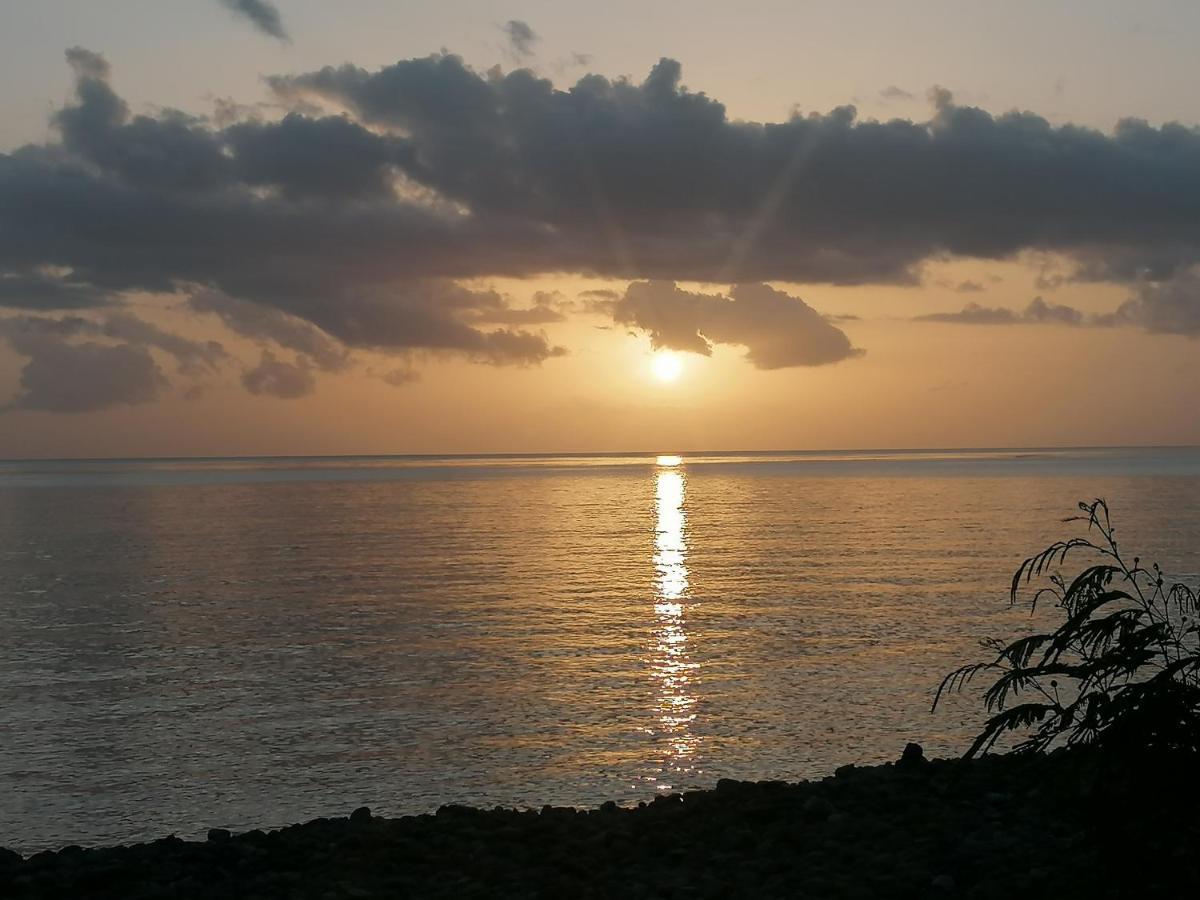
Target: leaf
(1122, 667)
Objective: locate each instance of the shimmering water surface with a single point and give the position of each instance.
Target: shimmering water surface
(247, 643)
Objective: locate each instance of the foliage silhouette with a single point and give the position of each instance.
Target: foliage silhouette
(1122, 671)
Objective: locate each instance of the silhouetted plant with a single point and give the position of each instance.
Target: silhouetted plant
(1122, 671)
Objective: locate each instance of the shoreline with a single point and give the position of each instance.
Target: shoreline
(1001, 826)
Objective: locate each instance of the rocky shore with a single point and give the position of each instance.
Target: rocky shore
(1059, 826)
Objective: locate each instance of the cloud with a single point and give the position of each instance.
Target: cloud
(38, 290)
(547, 307)
(193, 357)
(279, 378)
(1038, 312)
(966, 286)
(777, 330)
(264, 323)
(891, 92)
(67, 377)
(521, 37)
(1167, 307)
(68, 372)
(313, 157)
(974, 314)
(262, 14)
(400, 376)
(330, 234)
(296, 223)
(659, 182)
(87, 63)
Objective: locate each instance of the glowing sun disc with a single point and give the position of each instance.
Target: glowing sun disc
(666, 366)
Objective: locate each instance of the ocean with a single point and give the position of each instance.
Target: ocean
(246, 643)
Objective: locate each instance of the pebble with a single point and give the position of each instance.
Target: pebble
(881, 833)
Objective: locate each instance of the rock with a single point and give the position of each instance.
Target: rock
(361, 816)
(885, 832)
(42, 859)
(817, 808)
(913, 757)
(844, 771)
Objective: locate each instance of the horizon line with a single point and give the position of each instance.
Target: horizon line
(584, 454)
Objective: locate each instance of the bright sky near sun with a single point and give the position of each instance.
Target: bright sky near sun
(299, 227)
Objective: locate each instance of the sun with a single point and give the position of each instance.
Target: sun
(666, 366)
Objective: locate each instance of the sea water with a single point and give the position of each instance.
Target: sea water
(244, 643)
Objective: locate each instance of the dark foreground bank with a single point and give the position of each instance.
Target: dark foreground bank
(1066, 825)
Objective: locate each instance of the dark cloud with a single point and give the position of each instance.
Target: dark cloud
(666, 184)
(547, 307)
(193, 357)
(776, 329)
(69, 377)
(891, 92)
(264, 323)
(303, 156)
(1038, 312)
(297, 220)
(279, 378)
(966, 286)
(171, 151)
(521, 37)
(1170, 307)
(68, 372)
(400, 376)
(37, 290)
(506, 347)
(974, 314)
(356, 229)
(87, 63)
(261, 14)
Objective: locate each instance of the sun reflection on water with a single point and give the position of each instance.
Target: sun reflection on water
(672, 667)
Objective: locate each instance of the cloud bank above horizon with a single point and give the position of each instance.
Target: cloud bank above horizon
(363, 214)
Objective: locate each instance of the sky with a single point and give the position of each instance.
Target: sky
(239, 227)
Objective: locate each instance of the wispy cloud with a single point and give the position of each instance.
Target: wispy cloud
(262, 14)
(1038, 312)
(521, 37)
